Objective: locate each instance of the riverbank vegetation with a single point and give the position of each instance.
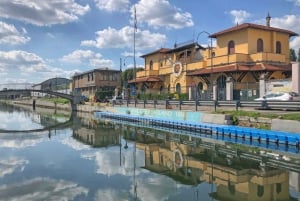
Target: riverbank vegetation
(255, 114)
(56, 100)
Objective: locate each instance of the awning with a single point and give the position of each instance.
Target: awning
(145, 79)
(241, 68)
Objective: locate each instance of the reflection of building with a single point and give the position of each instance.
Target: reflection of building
(97, 135)
(235, 177)
(243, 54)
(100, 79)
(295, 181)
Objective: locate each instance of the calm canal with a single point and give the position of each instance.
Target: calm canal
(49, 155)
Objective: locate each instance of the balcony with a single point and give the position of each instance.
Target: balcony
(246, 58)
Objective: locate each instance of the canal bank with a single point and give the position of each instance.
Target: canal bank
(204, 116)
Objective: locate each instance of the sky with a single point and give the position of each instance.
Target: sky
(58, 38)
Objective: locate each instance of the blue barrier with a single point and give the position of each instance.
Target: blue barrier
(244, 135)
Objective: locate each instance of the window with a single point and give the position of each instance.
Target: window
(260, 190)
(278, 47)
(278, 188)
(151, 65)
(231, 48)
(260, 45)
(178, 88)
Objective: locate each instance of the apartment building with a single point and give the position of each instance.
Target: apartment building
(97, 80)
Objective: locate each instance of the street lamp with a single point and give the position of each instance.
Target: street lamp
(211, 62)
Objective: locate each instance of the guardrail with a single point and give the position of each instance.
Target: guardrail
(196, 105)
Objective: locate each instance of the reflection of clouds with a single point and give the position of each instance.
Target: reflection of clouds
(10, 165)
(74, 144)
(112, 195)
(41, 189)
(156, 187)
(150, 186)
(20, 141)
(108, 161)
(8, 121)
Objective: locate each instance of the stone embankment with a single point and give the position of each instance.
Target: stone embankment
(259, 122)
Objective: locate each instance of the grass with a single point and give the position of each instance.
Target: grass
(255, 114)
(56, 100)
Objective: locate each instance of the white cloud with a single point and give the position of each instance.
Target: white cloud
(160, 13)
(113, 5)
(22, 66)
(10, 35)
(123, 38)
(87, 57)
(288, 22)
(109, 163)
(295, 44)
(41, 189)
(42, 13)
(112, 194)
(25, 61)
(296, 2)
(239, 16)
(12, 164)
(74, 144)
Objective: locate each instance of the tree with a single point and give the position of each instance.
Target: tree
(128, 75)
(298, 55)
(293, 56)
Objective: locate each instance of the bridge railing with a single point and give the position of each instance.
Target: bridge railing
(198, 105)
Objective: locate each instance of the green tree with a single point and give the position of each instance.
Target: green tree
(293, 56)
(128, 74)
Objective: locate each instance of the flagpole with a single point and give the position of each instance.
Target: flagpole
(134, 60)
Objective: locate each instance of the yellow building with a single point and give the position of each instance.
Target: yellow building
(242, 55)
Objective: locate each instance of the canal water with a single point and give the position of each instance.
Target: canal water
(51, 155)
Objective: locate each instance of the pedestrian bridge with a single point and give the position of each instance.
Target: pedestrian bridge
(74, 99)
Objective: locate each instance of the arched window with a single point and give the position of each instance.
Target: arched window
(221, 88)
(200, 86)
(151, 65)
(260, 45)
(278, 47)
(178, 88)
(278, 188)
(231, 48)
(260, 190)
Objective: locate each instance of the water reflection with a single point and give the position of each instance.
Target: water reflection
(102, 160)
(226, 171)
(16, 118)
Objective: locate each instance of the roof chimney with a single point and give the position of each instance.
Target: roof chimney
(268, 19)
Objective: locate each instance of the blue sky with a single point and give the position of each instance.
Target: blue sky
(56, 38)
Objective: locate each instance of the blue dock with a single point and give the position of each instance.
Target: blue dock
(244, 135)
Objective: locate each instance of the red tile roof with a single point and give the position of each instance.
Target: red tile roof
(161, 50)
(254, 26)
(145, 79)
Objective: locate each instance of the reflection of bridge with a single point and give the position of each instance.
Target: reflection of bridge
(59, 126)
(74, 99)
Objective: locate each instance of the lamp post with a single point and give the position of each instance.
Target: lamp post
(124, 64)
(211, 63)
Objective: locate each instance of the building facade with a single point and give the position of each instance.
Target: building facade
(229, 71)
(57, 84)
(97, 80)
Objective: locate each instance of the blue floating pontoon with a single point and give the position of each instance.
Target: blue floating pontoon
(238, 134)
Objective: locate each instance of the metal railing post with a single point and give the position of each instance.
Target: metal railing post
(180, 103)
(215, 104)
